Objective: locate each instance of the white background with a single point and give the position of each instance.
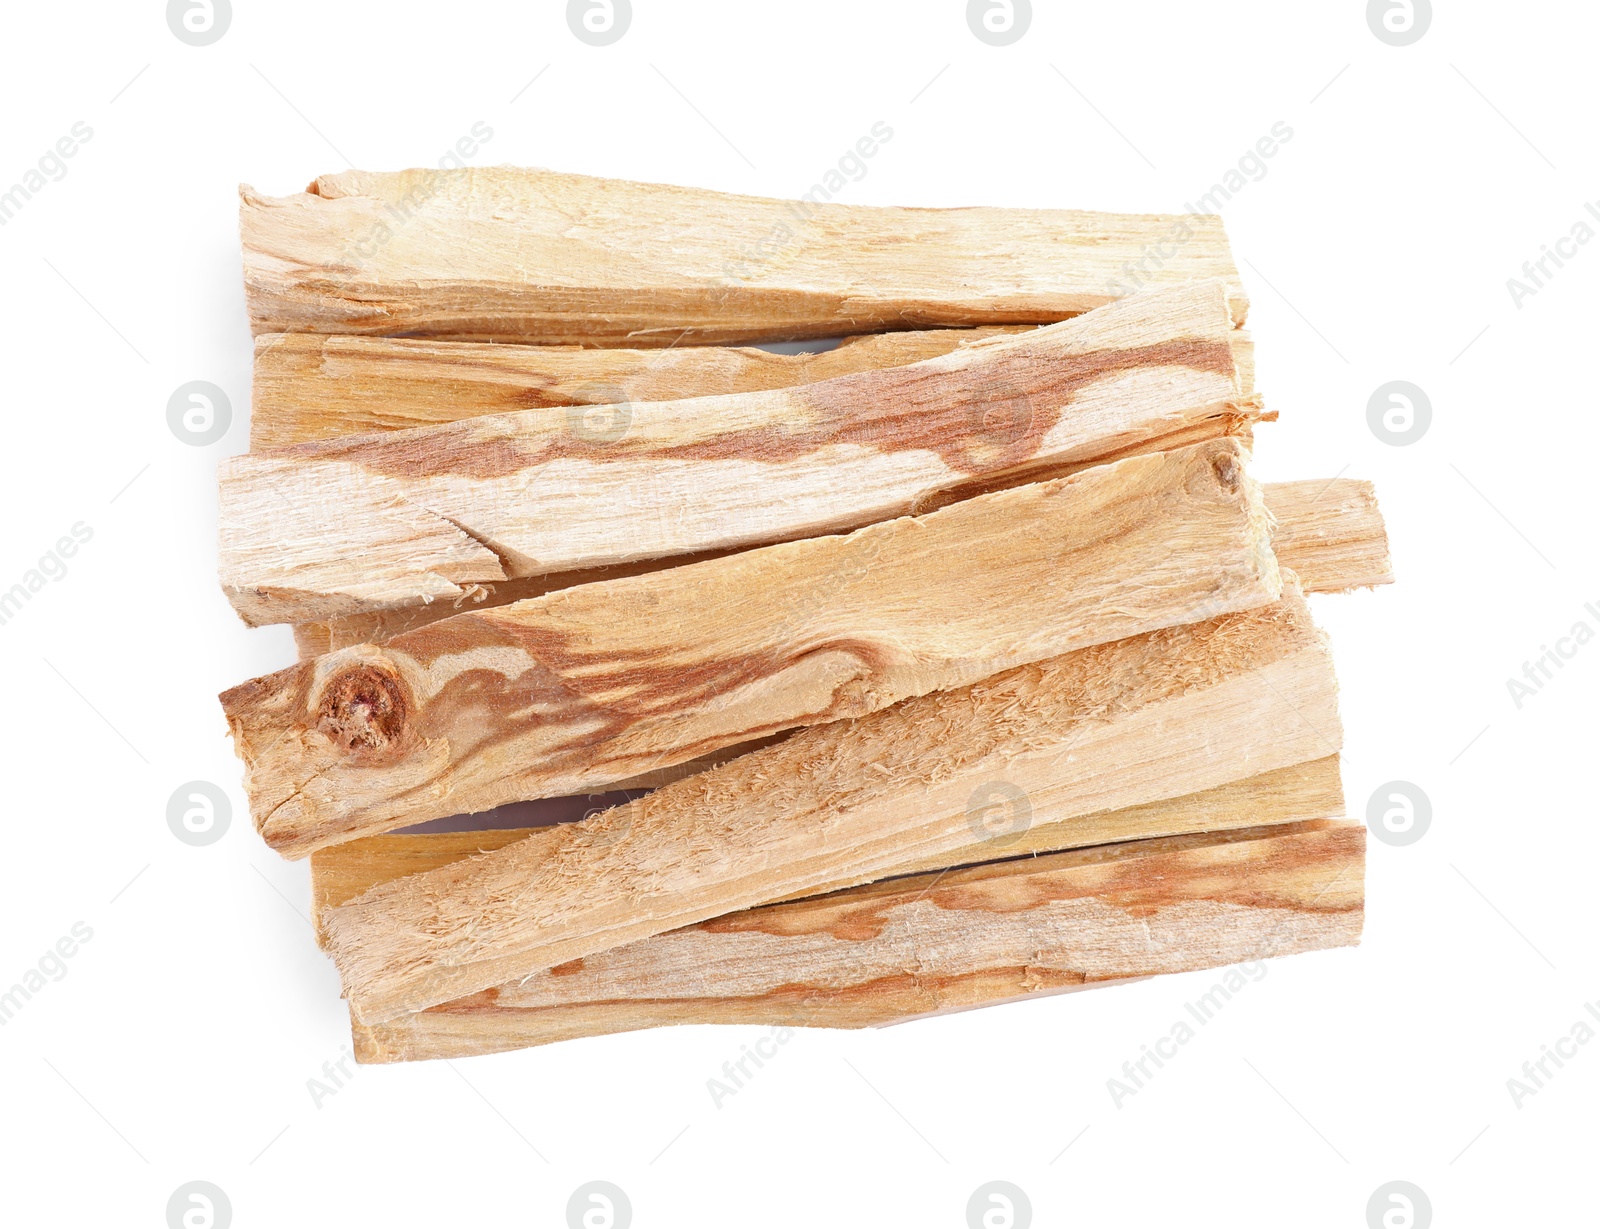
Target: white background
(179, 1044)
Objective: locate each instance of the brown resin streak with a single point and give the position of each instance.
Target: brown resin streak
(1141, 889)
(559, 690)
(1001, 422)
(1112, 912)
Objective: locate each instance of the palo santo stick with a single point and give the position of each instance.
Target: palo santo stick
(562, 693)
(404, 518)
(1328, 533)
(312, 386)
(923, 946)
(1151, 717)
(510, 255)
(382, 626)
(1311, 790)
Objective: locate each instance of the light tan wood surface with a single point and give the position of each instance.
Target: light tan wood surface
(521, 255)
(317, 386)
(1330, 533)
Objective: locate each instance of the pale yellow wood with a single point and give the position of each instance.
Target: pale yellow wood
(407, 518)
(519, 255)
(1311, 790)
(924, 946)
(381, 626)
(666, 774)
(315, 386)
(315, 639)
(563, 693)
(340, 873)
(1117, 725)
(1328, 533)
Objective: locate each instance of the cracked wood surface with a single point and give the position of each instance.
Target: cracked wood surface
(562, 693)
(1329, 533)
(315, 386)
(406, 518)
(1155, 716)
(932, 944)
(519, 255)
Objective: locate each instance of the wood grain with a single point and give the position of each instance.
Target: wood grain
(909, 948)
(1311, 790)
(1328, 533)
(407, 518)
(313, 386)
(512, 255)
(1150, 717)
(562, 693)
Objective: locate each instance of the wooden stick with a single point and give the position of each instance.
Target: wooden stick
(1328, 533)
(562, 693)
(933, 944)
(312, 386)
(1311, 790)
(1152, 717)
(405, 518)
(382, 626)
(510, 255)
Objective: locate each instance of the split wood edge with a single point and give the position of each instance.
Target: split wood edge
(502, 254)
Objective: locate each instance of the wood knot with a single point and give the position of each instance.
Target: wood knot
(365, 711)
(1225, 465)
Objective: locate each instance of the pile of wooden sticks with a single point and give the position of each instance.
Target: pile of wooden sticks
(962, 662)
